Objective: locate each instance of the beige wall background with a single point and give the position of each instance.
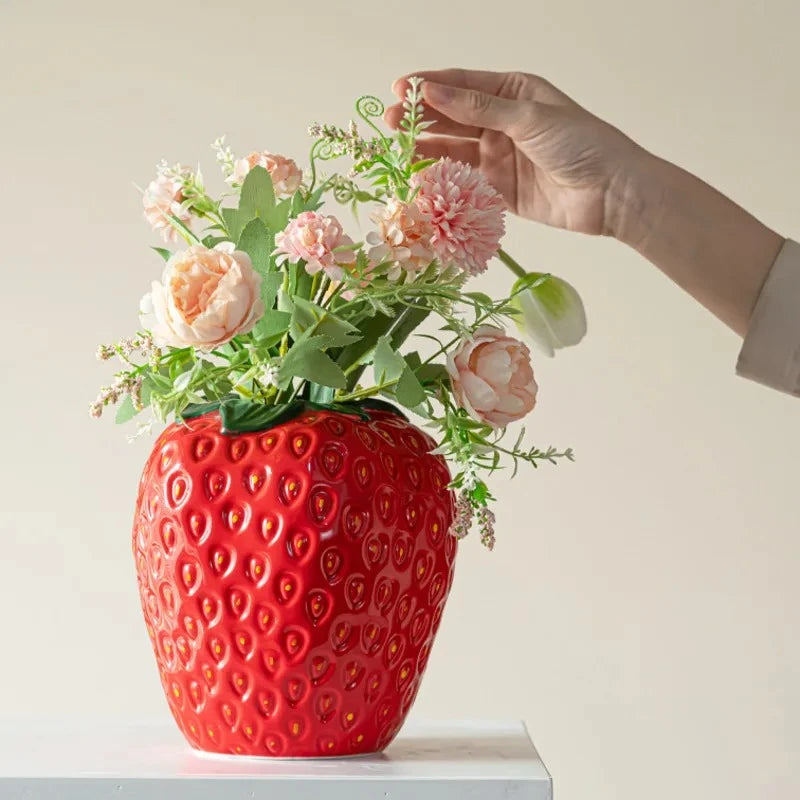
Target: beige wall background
(642, 607)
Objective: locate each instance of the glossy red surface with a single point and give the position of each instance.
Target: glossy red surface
(292, 580)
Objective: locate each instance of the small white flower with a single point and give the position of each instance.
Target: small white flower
(552, 313)
(268, 376)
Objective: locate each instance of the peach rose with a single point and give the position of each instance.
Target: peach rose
(204, 299)
(492, 377)
(286, 175)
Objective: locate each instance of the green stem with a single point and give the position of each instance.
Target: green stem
(314, 285)
(513, 265)
(368, 392)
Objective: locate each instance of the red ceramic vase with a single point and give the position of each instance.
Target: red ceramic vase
(293, 579)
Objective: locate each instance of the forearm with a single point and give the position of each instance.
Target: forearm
(708, 245)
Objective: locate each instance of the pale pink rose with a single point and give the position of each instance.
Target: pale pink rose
(403, 239)
(466, 212)
(163, 196)
(492, 377)
(313, 238)
(205, 298)
(286, 175)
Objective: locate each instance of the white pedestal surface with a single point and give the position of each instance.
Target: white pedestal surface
(50, 759)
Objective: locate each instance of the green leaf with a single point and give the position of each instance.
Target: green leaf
(234, 222)
(356, 353)
(256, 241)
(480, 298)
(298, 204)
(278, 218)
(269, 288)
(257, 198)
(420, 165)
(409, 391)
(306, 359)
(388, 365)
(242, 416)
(299, 280)
(212, 241)
(198, 409)
(308, 316)
(158, 383)
(314, 200)
(271, 324)
(126, 411)
(163, 252)
(413, 360)
(431, 373)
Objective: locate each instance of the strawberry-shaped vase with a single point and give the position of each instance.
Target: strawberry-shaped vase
(293, 579)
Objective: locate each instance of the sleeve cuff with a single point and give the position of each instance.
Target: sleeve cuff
(771, 350)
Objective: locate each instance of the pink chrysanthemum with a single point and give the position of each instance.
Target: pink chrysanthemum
(162, 197)
(466, 212)
(286, 175)
(314, 238)
(403, 239)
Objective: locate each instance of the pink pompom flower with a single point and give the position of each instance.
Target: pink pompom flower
(403, 239)
(163, 197)
(286, 175)
(315, 239)
(492, 377)
(465, 211)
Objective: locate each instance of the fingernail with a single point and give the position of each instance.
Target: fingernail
(397, 87)
(438, 93)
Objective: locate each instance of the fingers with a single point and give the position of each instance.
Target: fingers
(475, 108)
(440, 124)
(466, 150)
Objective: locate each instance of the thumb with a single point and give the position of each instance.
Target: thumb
(472, 107)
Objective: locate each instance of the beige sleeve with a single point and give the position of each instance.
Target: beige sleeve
(771, 350)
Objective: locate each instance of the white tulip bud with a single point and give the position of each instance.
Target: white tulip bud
(552, 314)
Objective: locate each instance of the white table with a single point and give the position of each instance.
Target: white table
(58, 760)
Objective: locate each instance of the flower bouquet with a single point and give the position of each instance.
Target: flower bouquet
(295, 533)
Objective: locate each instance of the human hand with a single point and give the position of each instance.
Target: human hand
(552, 160)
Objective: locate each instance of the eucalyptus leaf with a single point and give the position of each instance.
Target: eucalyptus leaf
(271, 324)
(308, 316)
(234, 222)
(212, 241)
(278, 217)
(431, 373)
(269, 288)
(257, 197)
(125, 411)
(413, 360)
(358, 352)
(256, 241)
(409, 391)
(306, 359)
(387, 364)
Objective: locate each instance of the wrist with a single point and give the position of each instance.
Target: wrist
(636, 198)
